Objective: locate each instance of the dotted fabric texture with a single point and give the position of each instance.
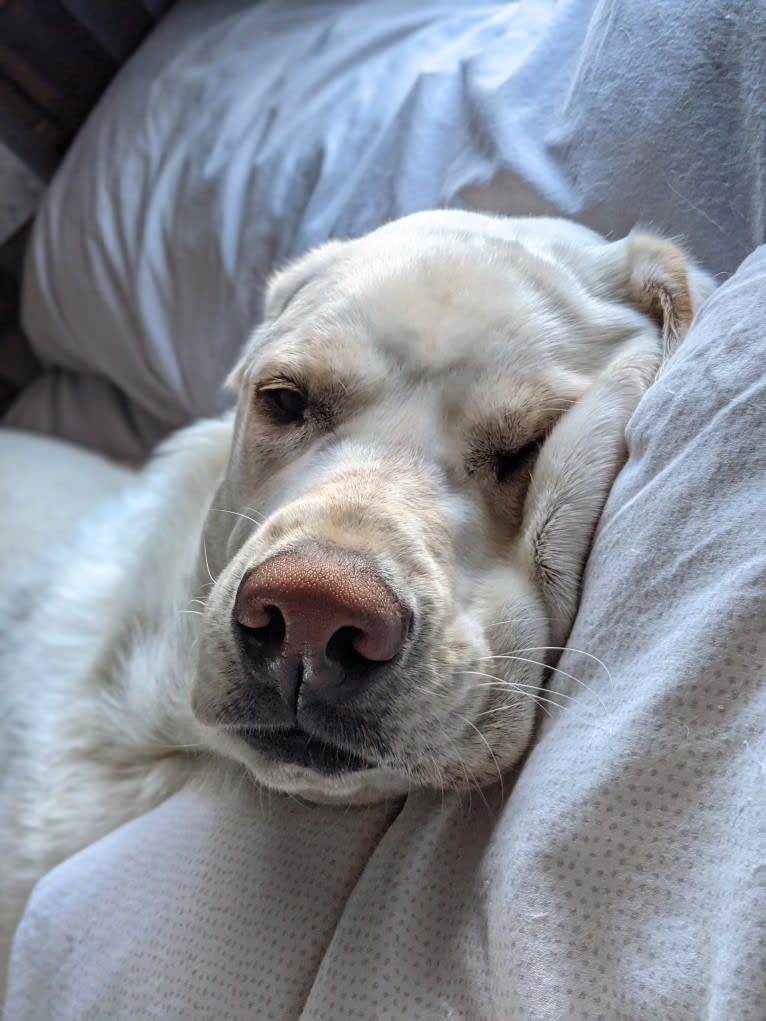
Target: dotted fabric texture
(629, 877)
(624, 877)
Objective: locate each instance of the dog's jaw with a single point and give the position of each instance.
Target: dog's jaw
(359, 787)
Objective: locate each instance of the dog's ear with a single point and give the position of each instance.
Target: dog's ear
(283, 286)
(571, 480)
(586, 448)
(286, 283)
(664, 284)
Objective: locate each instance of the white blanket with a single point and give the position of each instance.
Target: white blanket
(623, 876)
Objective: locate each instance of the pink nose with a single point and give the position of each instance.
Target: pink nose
(322, 618)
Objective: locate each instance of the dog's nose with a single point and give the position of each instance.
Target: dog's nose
(322, 618)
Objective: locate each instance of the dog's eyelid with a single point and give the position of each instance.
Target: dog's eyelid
(499, 457)
(280, 383)
(283, 399)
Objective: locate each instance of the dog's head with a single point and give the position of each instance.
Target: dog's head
(429, 420)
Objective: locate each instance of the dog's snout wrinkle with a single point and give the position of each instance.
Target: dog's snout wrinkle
(321, 618)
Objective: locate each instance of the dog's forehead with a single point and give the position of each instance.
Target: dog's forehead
(436, 304)
(437, 312)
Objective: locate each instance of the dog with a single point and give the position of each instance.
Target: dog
(354, 584)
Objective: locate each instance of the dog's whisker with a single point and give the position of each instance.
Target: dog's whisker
(258, 514)
(522, 688)
(493, 681)
(526, 690)
(547, 666)
(468, 784)
(570, 648)
(542, 703)
(526, 619)
(529, 691)
(238, 514)
(207, 564)
(489, 749)
(539, 700)
(472, 784)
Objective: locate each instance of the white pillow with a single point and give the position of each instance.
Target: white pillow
(243, 133)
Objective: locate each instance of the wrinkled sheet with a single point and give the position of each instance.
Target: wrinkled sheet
(243, 133)
(623, 876)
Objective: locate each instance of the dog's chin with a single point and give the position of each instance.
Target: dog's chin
(360, 787)
(340, 779)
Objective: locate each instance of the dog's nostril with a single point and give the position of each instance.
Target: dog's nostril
(342, 649)
(266, 626)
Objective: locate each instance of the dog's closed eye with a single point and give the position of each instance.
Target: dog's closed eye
(500, 464)
(508, 462)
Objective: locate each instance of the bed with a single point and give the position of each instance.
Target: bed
(622, 873)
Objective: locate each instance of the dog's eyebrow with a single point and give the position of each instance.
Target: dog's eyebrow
(288, 377)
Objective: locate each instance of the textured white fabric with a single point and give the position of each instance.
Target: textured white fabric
(624, 875)
(243, 133)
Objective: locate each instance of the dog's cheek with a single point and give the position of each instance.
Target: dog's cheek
(215, 677)
(216, 658)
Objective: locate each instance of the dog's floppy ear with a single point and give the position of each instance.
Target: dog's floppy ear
(586, 448)
(664, 284)
(286, 283)
(280, 291)
(571, 480)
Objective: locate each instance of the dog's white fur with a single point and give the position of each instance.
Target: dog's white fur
(111, 672)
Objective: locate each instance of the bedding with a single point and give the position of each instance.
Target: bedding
(241, 134)
(623, 876)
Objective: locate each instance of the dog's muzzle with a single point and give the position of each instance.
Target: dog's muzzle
(316, 627)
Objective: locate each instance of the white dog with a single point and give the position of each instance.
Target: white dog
(354, 586)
